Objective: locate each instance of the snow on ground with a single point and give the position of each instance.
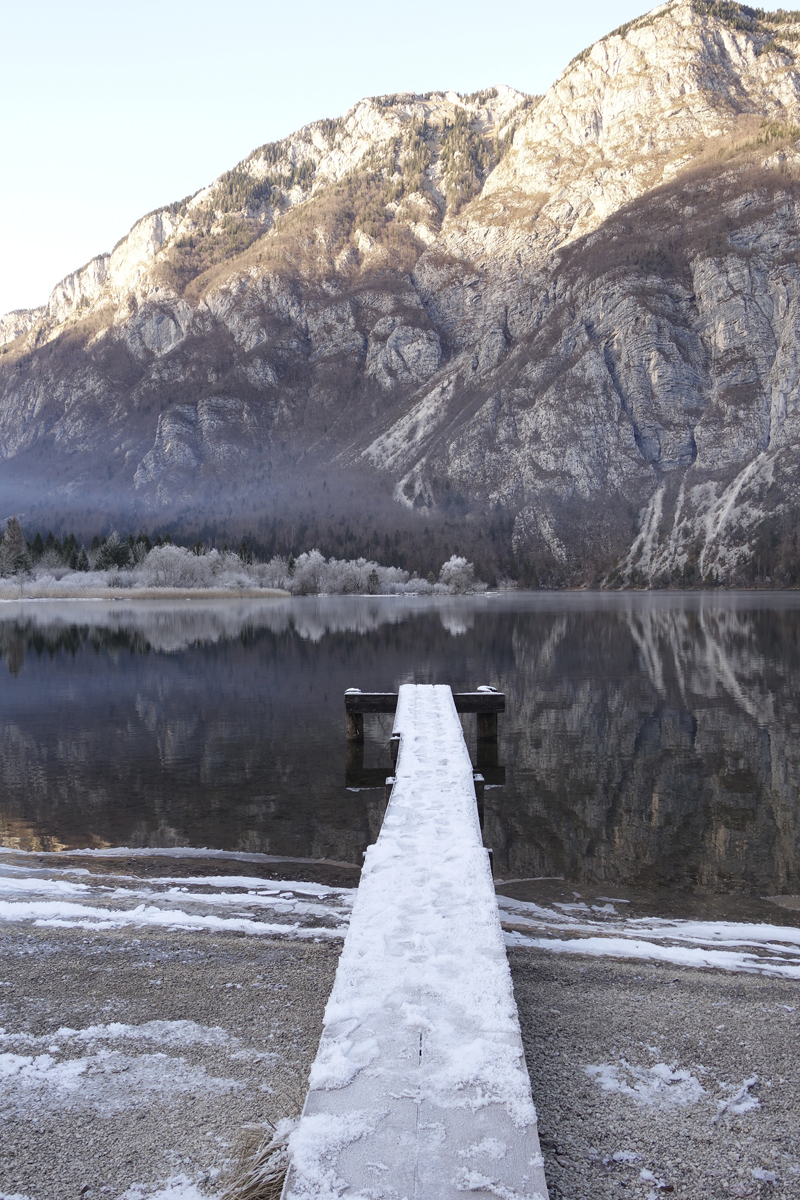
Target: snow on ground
(77, 898)
(87, 1082)
(601, 930)
(659, 1085)
(73, 897)
(179, 1187)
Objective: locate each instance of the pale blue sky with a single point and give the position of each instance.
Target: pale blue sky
(112, 108)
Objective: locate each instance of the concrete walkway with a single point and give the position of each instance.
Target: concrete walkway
(420, 1089)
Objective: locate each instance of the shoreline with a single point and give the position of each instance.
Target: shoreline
(255, 593)
(119, 594)
(635, 1067)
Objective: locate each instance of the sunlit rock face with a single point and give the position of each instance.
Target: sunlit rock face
(575, 313)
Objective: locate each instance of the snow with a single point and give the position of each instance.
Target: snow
(75, 916)
(61, 896)
(740, 1102)
(105, 1081)
(421, 1046)
(179, 1187)
(74, 898)
(314, 1147)
(661, 1086)
(722, 945)
(164, 1033)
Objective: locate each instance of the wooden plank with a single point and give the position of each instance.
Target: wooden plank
(370, 702)
(480, 702)
(386, 702)
(419, 1088)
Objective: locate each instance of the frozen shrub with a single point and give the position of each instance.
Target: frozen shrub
(309, 571)
(457, 575)
(274, 574)
(119, 564)
(176, 567)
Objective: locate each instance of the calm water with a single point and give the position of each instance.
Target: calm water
(649, 740)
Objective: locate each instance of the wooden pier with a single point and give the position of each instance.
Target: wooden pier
(419, 1090)
(486, 703)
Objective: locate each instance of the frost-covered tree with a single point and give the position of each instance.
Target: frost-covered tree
(308, 574)
(113, 553)
(175, 566)
(458, 575)
(14, 559)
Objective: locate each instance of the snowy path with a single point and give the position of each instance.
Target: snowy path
(420, 1088)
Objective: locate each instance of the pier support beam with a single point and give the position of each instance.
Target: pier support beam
(354, 726)
(487, 726)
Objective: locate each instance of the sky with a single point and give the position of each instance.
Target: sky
(111, 109)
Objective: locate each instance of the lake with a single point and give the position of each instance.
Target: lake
(650, 740)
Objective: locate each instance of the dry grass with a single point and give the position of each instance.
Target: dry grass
(9, 591)
(262, 1159)
(260, 1167)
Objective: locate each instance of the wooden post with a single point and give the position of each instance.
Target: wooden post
(487, 761)
(487, 727)
(479, 782)
(389, 785)
(355, 758)
(354, 726)
(394, 746)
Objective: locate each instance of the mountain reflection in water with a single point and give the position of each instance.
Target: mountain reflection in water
(649, 739)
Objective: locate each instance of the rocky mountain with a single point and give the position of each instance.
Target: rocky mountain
(559, 332)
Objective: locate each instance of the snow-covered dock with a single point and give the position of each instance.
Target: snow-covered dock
(419, 1089)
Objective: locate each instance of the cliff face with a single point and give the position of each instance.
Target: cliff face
(570, 319)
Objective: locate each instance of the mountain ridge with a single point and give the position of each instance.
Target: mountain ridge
(569, 320)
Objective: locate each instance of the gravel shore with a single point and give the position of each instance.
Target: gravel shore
(666, 1047)
(129, 1061)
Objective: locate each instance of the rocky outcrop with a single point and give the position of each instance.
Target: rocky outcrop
(16, 324)
(566, 327)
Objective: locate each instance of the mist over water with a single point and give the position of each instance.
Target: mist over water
(649, 739)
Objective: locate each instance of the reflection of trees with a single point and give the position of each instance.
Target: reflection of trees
(170, 626)
(14, 654)
(18, 637)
